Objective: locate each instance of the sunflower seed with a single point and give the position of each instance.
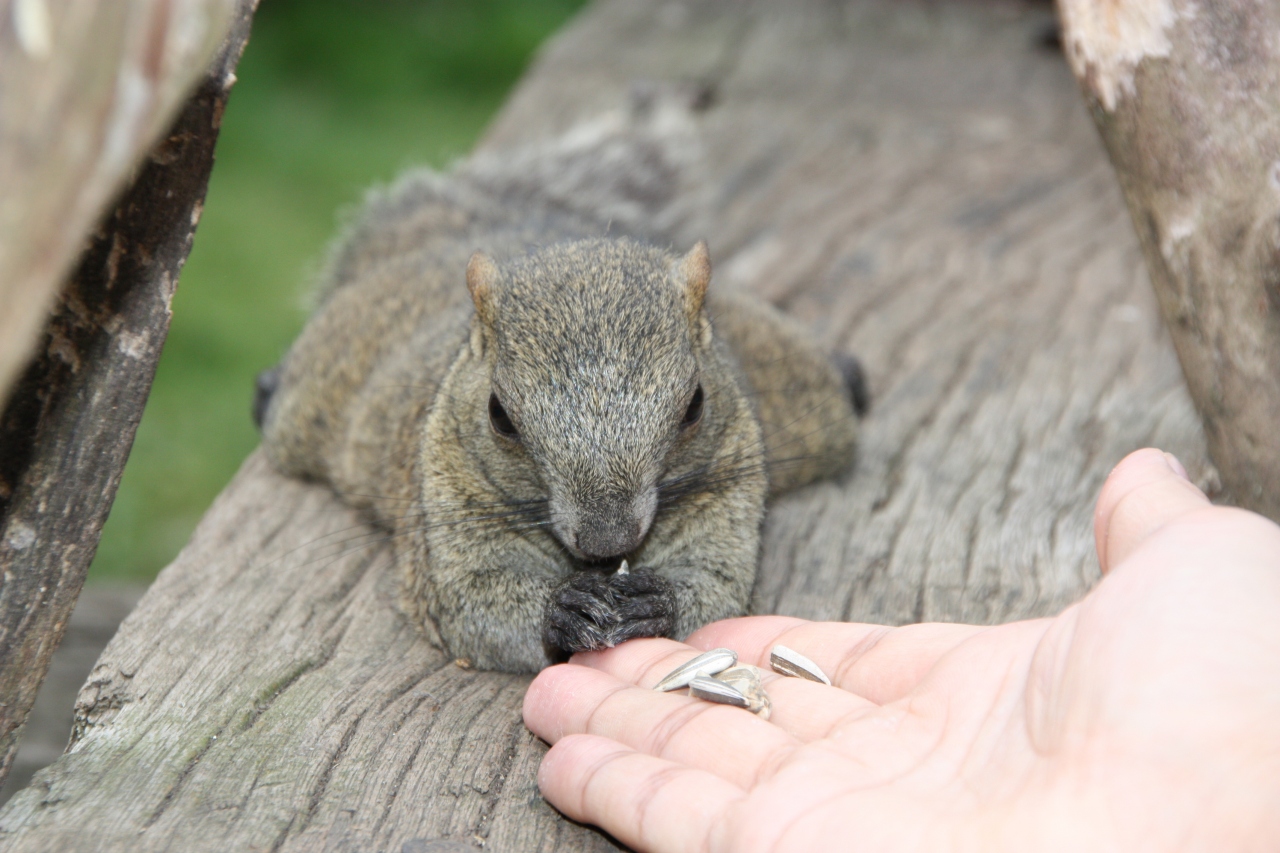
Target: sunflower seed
(707, 663)
(713, 690)
(746, 680)
(790, 662)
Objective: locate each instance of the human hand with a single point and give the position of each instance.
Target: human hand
(1144, 717)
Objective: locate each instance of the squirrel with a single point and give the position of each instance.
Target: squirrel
(570, 438)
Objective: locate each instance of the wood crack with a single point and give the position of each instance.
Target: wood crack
(326, 773)
(178, 783)
(494, 794)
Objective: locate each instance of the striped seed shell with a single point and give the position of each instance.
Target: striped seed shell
(707, 663)
(790, 662)
(714, 690)
(746, 680)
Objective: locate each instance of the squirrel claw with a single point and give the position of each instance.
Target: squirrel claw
(591, 611)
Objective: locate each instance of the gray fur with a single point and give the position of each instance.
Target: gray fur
(594, 346)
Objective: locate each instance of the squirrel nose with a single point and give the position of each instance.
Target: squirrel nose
(606, 539)
(603, 526)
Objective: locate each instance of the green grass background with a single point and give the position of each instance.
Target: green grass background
(333, 96)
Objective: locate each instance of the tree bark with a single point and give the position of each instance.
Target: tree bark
(67, 429)
(86, 88)
(1187, 98)
(916, 181)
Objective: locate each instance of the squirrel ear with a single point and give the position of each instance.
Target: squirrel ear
(482, 281)
(694, 274)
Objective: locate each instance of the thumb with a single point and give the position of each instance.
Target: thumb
(1147, 490)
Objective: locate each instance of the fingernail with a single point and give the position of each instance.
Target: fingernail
(1176, 466)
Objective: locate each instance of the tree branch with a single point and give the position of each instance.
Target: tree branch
(1187, 98)
(69, 424)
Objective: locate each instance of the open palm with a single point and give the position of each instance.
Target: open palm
(1147, 716)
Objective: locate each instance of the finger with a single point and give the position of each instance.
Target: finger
(647, 803)
(803, 709)
(643, 662)
(876, 662)
(1141, 495)
(730, 742)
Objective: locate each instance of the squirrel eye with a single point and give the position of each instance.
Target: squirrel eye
(499, 420)
(693, 414)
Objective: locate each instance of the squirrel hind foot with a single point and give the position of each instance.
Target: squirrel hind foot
(264, 388)
(855, 381)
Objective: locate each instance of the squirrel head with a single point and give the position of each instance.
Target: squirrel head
(598, 376)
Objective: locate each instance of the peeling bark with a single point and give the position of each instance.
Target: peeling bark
(1187, 98)
(69, 423)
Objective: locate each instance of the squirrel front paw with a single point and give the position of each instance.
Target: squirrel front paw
(591, 610)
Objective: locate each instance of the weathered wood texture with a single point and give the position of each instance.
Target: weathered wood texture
(69, 424)
(1187, 97)
(99, 610)
(86, 87)
(917, 181)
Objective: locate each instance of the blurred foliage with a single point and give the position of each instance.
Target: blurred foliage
(333, 96)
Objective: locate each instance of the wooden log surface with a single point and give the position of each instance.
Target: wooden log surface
(917, 181)
(69, 423)
(1187, 97)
